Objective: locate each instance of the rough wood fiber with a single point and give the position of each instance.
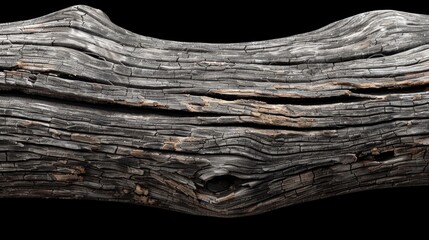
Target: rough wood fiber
(89, 110)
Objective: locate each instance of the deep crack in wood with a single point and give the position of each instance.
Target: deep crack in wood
(89, 110)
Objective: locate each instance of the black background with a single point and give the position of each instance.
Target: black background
(218, 22)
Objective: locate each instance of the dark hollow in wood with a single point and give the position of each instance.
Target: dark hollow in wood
(89, 110)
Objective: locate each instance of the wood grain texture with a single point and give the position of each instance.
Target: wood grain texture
(89, 110)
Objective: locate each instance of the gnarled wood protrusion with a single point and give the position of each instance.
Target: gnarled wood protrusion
(89, 110)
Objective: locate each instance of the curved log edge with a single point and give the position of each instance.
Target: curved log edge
(89, 110)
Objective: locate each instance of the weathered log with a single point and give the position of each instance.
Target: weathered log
(89, 110)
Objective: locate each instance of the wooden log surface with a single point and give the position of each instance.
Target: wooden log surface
(89, 110)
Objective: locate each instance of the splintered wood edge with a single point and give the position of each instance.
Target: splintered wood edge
(89, 110)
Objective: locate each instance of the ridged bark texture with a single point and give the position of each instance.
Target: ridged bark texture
(89, 110)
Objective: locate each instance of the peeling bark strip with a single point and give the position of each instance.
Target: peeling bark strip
(90, 110)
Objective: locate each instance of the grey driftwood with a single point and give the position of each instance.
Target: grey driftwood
(89, 110)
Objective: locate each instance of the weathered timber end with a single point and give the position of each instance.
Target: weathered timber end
(89, 110)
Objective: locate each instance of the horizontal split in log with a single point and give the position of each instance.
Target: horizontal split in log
(89, 110)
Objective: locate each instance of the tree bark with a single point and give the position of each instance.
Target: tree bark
(89, 110)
